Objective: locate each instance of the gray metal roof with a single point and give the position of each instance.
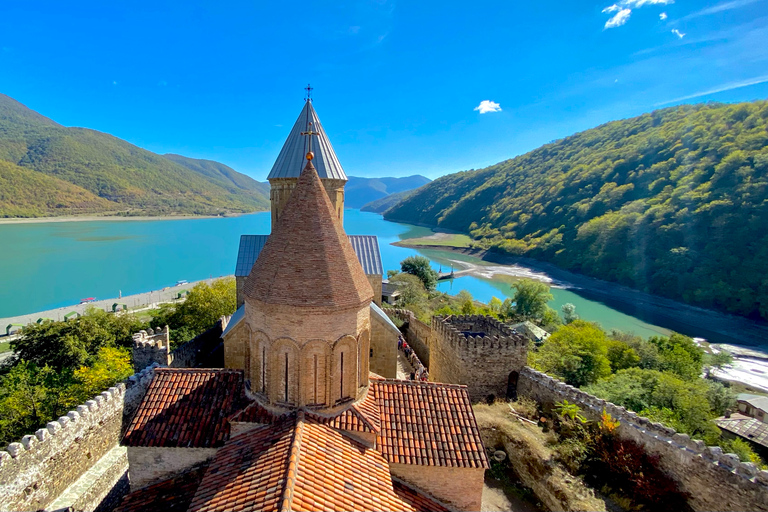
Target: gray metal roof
(366, 247)
(760, 402)
(237, 317)
(291, 159)
(376, 310)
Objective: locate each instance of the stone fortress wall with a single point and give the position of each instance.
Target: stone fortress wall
(478, 351)
(39, 471)
(76, 462)
(713, 479)
(416, 332)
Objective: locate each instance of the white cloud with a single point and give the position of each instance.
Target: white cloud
(618, 19)
(114, 82)
(725, 87)
(663, 16)
(624, 8)
(678, 33)
(486, 106)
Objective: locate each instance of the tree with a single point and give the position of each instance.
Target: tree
(577, 352)
(419, 266)
(531, 298)
(679, 354)
(621, 356)
(569, 313)
(111, 365)
(411, 289)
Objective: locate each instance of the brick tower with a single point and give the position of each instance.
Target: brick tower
(307, 309)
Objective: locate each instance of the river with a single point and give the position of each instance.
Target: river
(49, 265)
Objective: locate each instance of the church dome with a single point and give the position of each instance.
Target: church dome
(308, 260)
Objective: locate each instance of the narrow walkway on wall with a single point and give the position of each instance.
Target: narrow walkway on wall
(404, 368)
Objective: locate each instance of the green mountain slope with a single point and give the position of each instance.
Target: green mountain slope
(360, 191)
(222, 174)
(674, 202)
(383, 204)
(25, 193)
(135, 180)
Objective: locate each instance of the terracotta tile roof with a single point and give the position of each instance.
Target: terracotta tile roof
(186, 407)
(256, 413)
(416, 499)
(170, 495)
(249, 472)
(308, 260)
(302, 465)
(334, 472)
(361, 417)
(428, 424)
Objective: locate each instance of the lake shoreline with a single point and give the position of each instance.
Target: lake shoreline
(715, 326)
(97, 218)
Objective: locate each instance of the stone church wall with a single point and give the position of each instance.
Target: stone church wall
(416, 334)
(713, 479)
(383, 348)
(36, 471)
(483, 359)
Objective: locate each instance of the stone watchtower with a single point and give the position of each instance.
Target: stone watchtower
(151, 347)
(307, 135)
(306, 338)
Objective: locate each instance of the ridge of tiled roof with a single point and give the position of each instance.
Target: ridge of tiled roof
(172, 495)
(302, 465)
(175, 397)
(429, 424)
(249, 471)
(257, 413)
(308, 260)
(290, 161)
(362, 416)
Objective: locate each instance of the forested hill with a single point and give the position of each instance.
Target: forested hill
(86, 171)
(674, 202)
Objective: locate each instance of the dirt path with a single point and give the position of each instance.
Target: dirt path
(498, 499)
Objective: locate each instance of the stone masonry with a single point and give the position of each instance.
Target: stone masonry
(714, 480)
(151, 347)
(477, 351)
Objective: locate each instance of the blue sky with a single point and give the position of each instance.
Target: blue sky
(397, 84)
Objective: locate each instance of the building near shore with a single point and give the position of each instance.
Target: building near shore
(298, 419)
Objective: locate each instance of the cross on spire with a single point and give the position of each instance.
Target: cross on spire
(309, 133)
(308, 88)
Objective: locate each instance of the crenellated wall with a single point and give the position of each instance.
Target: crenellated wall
(40, 468)
(417, 334)
(713, 479)
(485, 359)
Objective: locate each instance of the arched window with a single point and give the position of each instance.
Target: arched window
(315, 357)
(284, 374)
(344, 369)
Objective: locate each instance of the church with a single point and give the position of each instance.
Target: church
(306, 414)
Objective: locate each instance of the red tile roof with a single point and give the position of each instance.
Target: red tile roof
(249, 472)
(360, 417)
(308, 260)
(186, 407)
(302, 465)
(256, 413)
(428, 424)
(172, 495)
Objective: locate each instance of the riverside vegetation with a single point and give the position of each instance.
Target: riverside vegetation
(659, 377)
(59, 365)
(673, 202)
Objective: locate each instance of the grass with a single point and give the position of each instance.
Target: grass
(5, 346)
(441, 239)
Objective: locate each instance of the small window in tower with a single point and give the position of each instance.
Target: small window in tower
(371, 353)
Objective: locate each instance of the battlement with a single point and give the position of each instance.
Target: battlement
(715, 480)
(475, 333)
(152, 347)
(36, 470)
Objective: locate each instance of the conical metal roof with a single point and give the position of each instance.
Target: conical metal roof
(308, 260)
(290, 162)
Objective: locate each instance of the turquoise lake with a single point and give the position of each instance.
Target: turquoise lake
(50, 265)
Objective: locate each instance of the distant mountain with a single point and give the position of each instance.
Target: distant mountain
(386, 202)
(106, 174)
(360, 191)
(674, 202)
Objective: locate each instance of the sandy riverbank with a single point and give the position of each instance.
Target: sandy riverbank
(694, 321)
(91, 218)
